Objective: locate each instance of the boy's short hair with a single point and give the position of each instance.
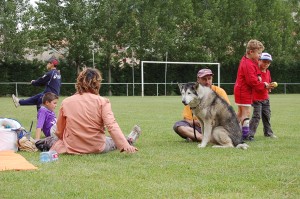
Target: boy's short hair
(254, 44)
(49, 97)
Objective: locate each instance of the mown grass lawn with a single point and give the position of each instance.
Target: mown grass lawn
(166, 166)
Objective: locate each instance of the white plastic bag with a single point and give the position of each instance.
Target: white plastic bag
(8, 134)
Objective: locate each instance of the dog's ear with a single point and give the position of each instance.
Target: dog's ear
(180, 86)
(196, 85)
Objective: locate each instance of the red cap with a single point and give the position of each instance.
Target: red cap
(53, 61)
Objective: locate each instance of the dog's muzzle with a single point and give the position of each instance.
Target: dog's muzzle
(184, 102)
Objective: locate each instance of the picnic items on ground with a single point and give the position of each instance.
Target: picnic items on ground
(48, 156)
(13, 136)
(9, 160)
(8, 134)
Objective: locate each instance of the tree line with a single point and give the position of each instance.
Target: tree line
(104, 34)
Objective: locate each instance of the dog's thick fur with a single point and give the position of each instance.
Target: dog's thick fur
(219, 123)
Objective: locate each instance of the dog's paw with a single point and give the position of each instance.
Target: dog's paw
(201, 145)
(243, 146)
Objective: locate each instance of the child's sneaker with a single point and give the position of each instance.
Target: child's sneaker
(134, 134)
(245, 128)
(272, 136)
(15, 100)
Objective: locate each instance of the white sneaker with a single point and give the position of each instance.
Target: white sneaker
(273, 136)
(134, 134)
(15, 100)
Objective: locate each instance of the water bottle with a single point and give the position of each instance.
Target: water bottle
(48, 156)
(44, 157)
(53, 155)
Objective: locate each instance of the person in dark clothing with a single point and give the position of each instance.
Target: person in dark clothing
(52, 82)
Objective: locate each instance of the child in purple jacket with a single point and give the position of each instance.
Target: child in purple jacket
(46, 119)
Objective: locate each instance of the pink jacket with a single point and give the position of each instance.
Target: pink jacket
(81, 124)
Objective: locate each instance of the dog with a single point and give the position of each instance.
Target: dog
(218, 120)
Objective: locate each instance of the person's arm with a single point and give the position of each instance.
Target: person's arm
(41, 117)
(61, 123)
(114, 129)
(38, 133)
(251, 71)
(42, 81)
(129, 149)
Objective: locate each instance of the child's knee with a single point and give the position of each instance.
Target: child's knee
(246, 111)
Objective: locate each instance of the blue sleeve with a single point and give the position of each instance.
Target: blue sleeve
(42, 81)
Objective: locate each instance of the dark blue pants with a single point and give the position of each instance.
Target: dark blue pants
(34, 100)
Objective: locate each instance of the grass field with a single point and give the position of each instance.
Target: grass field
(166, 166)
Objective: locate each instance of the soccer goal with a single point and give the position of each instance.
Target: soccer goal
(167, 62)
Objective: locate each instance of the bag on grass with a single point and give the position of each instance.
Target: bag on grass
(13, 136)
(9, 129)
(27, 144)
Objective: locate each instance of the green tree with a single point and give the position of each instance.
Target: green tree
(105, 32)
(64, 26)
(13, 29)
(112, 27)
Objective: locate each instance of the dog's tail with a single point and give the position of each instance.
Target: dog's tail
(242, 146)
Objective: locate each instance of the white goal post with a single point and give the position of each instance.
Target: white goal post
(167, 62)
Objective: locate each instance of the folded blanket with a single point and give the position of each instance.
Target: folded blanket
(9, 160)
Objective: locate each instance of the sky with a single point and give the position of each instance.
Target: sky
(33, 2)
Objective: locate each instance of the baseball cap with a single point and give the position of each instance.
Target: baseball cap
(266, 56)
(204, 72)
(53, 61)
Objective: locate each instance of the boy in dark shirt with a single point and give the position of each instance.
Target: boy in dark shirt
(52, 82)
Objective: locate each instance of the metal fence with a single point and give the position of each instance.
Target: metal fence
(158, 89)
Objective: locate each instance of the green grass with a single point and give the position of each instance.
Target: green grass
(166, 166)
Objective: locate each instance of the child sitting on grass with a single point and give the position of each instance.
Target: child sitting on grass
(46, 119)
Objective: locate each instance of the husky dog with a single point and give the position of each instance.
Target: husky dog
(218, 120)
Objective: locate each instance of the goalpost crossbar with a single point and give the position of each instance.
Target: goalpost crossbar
(167, 62)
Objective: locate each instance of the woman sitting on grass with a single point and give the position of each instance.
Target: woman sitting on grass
(83, 117)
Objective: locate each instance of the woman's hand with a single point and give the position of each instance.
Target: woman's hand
(129, 149)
